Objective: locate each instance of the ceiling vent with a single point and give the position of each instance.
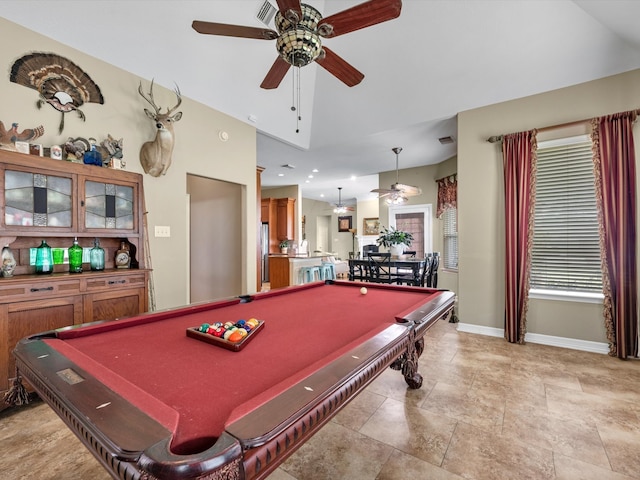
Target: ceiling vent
(445, 140)
(288, 165)
(266, 12)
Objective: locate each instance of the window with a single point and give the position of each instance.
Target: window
(566, 250)
(450, 227)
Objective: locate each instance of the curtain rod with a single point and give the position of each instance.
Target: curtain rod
(498, 138)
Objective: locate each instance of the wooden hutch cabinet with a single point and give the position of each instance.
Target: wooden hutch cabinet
(56, 201)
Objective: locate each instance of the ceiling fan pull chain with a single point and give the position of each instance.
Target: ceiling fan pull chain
(293, 89)
(299, 103)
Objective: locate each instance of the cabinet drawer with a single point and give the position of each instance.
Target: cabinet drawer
(27, 290)
(111, 282)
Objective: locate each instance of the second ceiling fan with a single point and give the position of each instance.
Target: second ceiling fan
(398, 193)
(298, 41)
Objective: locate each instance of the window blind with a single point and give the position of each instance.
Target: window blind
(450, 257)
(566, 251)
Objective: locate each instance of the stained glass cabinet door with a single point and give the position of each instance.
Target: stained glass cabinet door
(109, 206)
(37, 200)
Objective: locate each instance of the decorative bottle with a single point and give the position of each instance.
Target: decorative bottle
(44, 258)
(96, 256)
(75, 257)
(8, 262)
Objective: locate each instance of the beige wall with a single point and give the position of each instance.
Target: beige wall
(481, 204)
(198, 151)
(215, 212)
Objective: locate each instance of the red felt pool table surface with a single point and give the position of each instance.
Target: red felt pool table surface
(313, 339)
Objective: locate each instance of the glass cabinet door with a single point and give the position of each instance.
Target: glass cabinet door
(109, 206)
(34, 199)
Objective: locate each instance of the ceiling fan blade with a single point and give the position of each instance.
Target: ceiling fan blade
(408, 190)
(358, 17)
(286, 5)
(225, 30)
(382, 192)
(339, 68)
(275, 74)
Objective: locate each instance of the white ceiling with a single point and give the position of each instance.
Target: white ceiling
(438, 58)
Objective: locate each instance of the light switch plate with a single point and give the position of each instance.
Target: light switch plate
(162, 231)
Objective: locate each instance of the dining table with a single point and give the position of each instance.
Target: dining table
(414, 267)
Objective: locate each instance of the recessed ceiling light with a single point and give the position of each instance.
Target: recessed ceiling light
(281, 174)
(315, 170)
(322, 195)
(307, 181)
(310, 176)
(353, 177)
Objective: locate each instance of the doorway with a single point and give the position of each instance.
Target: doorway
(216, 231)
(323, 234)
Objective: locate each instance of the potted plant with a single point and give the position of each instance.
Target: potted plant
(284, 246)
(395, 240)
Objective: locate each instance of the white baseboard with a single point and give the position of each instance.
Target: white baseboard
(564, 342)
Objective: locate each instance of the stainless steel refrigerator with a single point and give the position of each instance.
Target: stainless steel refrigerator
(264, 244)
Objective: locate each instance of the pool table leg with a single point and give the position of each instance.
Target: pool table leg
(408, 362)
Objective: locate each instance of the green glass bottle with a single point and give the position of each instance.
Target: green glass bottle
(44, 259)
(75, 257)
(96, 256)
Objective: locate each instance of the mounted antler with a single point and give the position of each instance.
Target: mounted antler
(155, 155)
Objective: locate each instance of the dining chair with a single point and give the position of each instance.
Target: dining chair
(432, 279)
(380, 268)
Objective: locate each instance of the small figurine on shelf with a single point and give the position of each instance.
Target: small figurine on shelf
(93, 156)
(8, 262)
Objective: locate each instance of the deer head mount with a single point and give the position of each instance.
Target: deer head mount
(155, 155)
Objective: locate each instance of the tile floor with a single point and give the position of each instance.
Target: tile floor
(487, 410)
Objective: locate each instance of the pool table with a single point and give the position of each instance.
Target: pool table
(151, 402)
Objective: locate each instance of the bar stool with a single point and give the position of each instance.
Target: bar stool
(327, 271)
(308, 274)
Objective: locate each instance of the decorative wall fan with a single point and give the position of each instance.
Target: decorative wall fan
(340, 208)
(398, 193)
(300, 27)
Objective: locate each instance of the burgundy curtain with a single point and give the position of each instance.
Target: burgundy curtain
(615, 176)
(519, 159)
(447, 194)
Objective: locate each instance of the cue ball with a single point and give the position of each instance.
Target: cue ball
(363, 290)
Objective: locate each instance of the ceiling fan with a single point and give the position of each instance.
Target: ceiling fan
(300, 27)
(340, 208)
(398, 193)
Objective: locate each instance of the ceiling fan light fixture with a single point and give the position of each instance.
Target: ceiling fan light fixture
(340, 208)
(299, 46)
(299, 43)
(397, 199)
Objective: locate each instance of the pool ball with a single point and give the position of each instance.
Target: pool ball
(363, 290)
(235, 337)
